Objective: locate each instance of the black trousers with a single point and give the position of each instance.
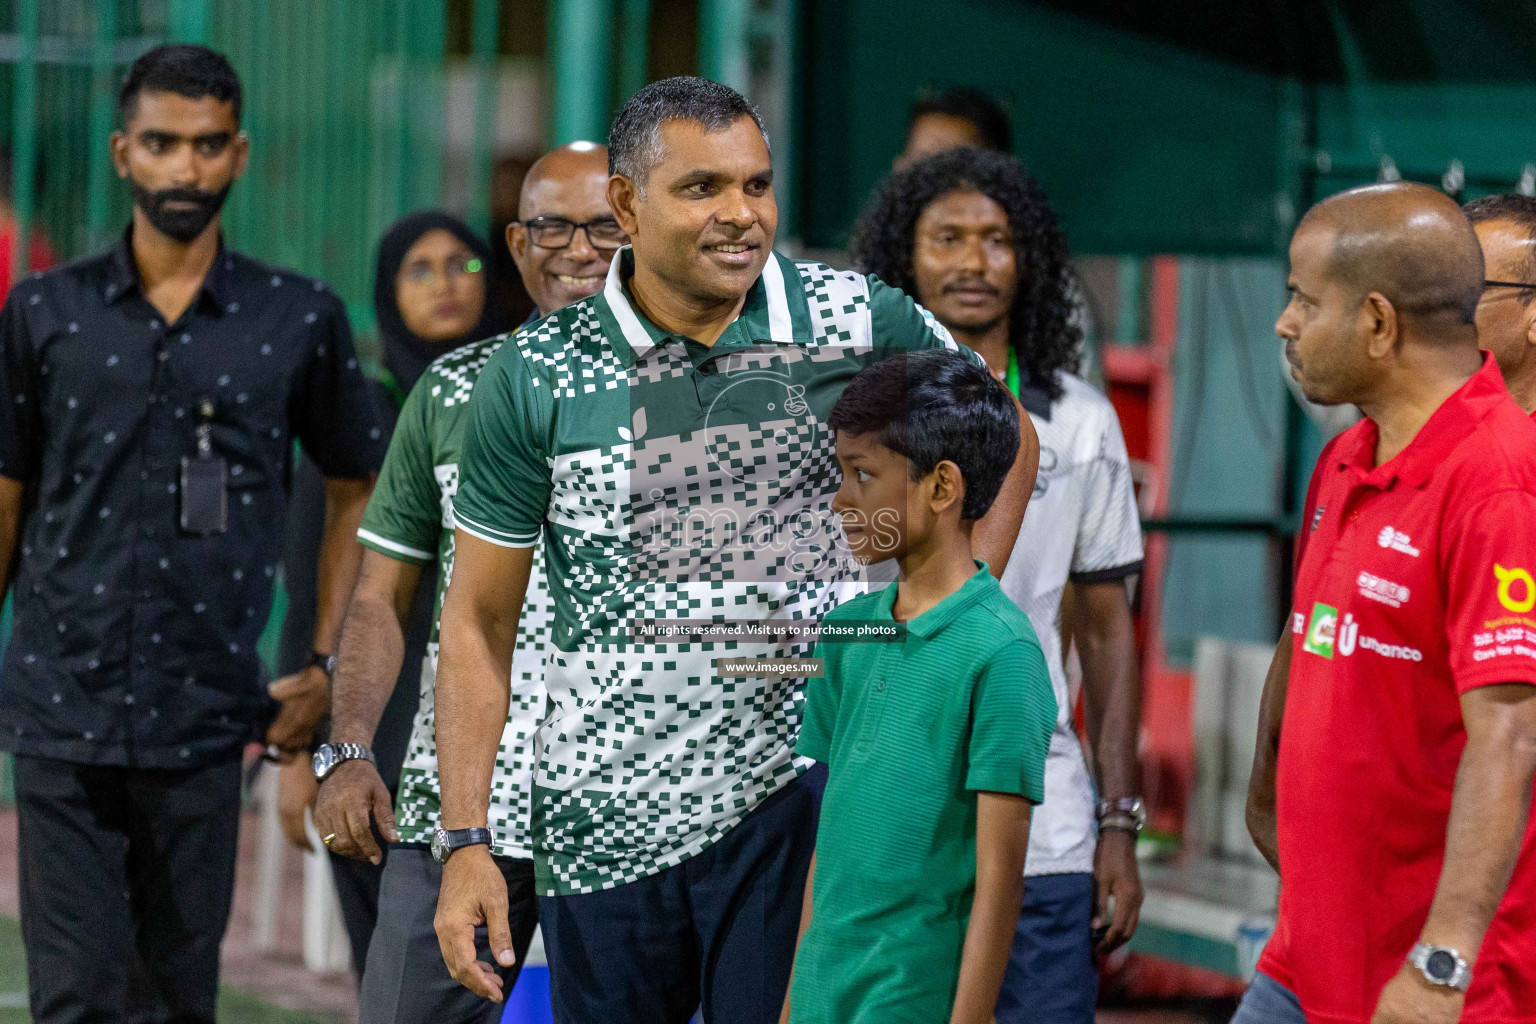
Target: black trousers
(126, 881)
(715, 933)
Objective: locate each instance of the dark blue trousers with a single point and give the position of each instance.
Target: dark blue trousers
(716, 932)
(1051, 976)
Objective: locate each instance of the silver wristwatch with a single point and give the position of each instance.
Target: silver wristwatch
(1441, 965)
(1127, 813)
(331, 756)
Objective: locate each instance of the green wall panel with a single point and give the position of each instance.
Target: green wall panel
(1423, 128)
(344, 107)
(1228, 452)
(1141, 146)
(1144, 146)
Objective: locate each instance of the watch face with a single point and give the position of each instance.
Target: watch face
(1440, 965)
(322, 761)
(439, 844)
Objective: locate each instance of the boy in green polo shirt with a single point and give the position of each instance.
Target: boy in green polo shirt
(936, 742)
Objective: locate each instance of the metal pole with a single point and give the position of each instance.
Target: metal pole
(483, 145)
(1128, 330)
(400, 135)
(421, 40)
(103, 100)
(787, 131)
(24, 136)
(580, 49)
(634, 58)
(723, 28)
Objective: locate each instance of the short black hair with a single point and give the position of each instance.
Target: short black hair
(1042, 325)
(634, 140)
(184, 69)
(1519, 210)
(934, 406)
(991, 120)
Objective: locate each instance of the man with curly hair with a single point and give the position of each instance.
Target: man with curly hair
(969, 234)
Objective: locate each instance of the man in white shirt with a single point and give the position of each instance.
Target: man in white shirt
(969, 234)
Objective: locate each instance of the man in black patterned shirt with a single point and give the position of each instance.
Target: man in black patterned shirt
(149, 399)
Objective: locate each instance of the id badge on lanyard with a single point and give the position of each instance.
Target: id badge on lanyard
(204, 480)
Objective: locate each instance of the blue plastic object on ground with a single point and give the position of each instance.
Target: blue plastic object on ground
(528, 1002)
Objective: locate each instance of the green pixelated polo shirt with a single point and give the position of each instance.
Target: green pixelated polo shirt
(672, 481)
(911, 731)
(409, 517)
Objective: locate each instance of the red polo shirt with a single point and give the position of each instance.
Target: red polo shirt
(1414, 585)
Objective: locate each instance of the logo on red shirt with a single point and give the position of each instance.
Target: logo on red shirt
(1394, 595)
(1511, 581)
(1397, 540)
(1320, 631)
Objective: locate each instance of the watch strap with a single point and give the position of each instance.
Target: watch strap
(353, 752)
(447, 841)
(324, 662)
(340, 754)
(1121, 823)
(458, 838)
(1126, 812)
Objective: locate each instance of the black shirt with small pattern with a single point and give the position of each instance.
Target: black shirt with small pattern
(135, 642)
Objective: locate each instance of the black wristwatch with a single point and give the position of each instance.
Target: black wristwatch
(325, 662)
(446, 840)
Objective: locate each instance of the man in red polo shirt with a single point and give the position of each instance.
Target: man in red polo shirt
(1398, 737)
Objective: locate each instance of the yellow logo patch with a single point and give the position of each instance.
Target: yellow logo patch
(1512, 581)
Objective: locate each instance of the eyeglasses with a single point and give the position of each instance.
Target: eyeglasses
(1507, 284)
(422, 272)
(557, 232)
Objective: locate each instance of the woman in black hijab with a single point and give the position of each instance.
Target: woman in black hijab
(430, 295)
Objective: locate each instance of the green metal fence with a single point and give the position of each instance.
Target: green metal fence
(344, 103)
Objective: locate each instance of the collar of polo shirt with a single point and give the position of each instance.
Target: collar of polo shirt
(767, 307)
(1433, 444)
(122, 274)
(927, 625)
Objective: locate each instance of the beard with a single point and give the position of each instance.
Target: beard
(181, 223)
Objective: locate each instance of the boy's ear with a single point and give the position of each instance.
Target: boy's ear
(948, 487)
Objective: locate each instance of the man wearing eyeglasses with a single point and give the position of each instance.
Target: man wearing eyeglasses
(1506, 314)
(566, 235)
(562, 244)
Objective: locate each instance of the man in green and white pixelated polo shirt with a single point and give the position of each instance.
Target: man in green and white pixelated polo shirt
(666, 438)
(562, 242)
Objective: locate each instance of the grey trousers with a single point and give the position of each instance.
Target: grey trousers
(406, 981)
(1268, 1002)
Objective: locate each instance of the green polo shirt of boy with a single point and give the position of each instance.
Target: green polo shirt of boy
(911, 731)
